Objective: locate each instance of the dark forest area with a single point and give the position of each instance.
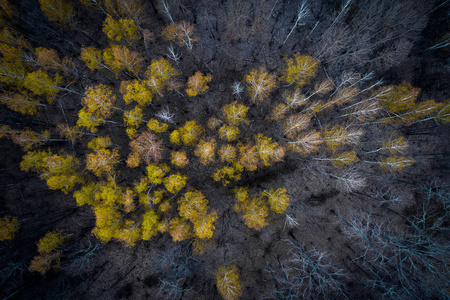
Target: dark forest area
(228, 149)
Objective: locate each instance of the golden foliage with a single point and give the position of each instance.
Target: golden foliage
(260, 84)
(20, 102)
(149, 226)
(198, 84)
(136, 91)
(175, 182)
(395, 163)
(337, 136)
(179, 158)
(59, 11)
(51, 241)
(120, 29)
(119, 58)
(45, 261)
(156, 172)
(133, 118)
(102, 161)
(157, 126)
(159, 73)
(268, 151)
(92, 57)
(294, 124)
(213, 123)
(248, 156)
(29, 139)
(227, 153)
(235, 113)
(229, 133)
(228, 173)
(343, 159)
(41, 84)
(277, 199)
(133, 160)
(228, 283)
(300, 70)
(179, 229)
(205, 151)
(183, 33)
(8, 227)
(99, 100)
(190, 133)
(253, 208)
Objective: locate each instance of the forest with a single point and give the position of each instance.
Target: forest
(227, 149)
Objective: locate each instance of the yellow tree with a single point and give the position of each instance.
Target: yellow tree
(227, 153)
(228, 173)
(133, 119)
(41, 84)
(29, 139)
(129, 233)
(341, 159)
(394, 144)
(278, 199)
(49, 60)
(48, 256)
(59, 11)
(100, 142)
(395, 163)
(204, 225)
(149, 226)
(136, 91)
(300, 70)
(229, 133)
(120, 29)
(157, 126)
(268, 151)
(34, 161)
(148, 146)
(192, 204)
(102, 161)
(119, 58)
(205, 151)
(159, 74)
(92, 57)
(260, 84)
(198, 84)
(8, 227)
(190, 133)
(175, 182)
(89, 120)
(156, 172)
(62, 172)
(396, 98)
(183, 33)
(337, 136)
(235, 113)
(21, 102)
(228, 283)
(71, 133)
(99, 100)
(253, 208)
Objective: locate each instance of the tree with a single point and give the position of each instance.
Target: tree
(179, 158)
(49, 60)
(41, 84)
(190, 133)
(92, 57)
(89, 120)
(156, 172)
(228, 283)
(48, 257)
(205, 151)
(229, 133)
(133, 119)
(337, 136)
(295, 123)
(119, 58)
(341, 159)
(227, 153)
(136, 91)
(254, 210)
(300, 70)
(59, 11)
(99, 100)
(397, 98)
(278, 199)
(198, 84)
(203, 225)
(267, 151)
(21, 102)
(102, 162)
(8, 227)
(179, 229)
(120, 29)
(395, 163)
(62, 172)
(260, 84)
(235, 113)
(71, 133)
(175, 182)
(148, 146)
(159, 74)
(192, 205)
(149, 226)
(248, 156)
(156, 126)
(228, 173)
(29, 139)
(394, 144)
(183, 33)
(213, 123)
(306, 143)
